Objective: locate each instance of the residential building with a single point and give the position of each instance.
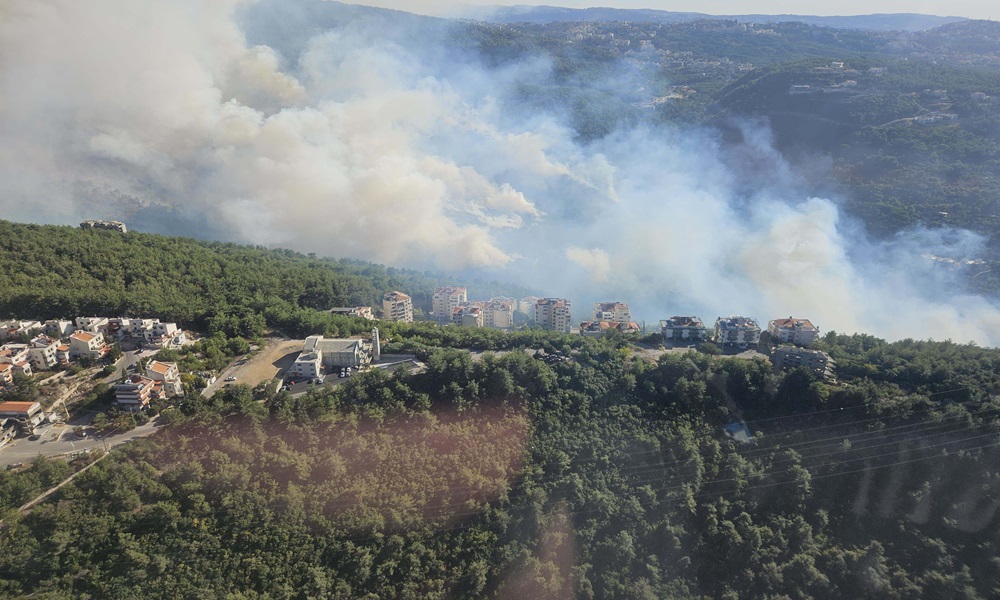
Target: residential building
(168, 376)
(363, 312)
(83, 344)
(600, 328)
(397, 306)
(800, 332)
(42, 352)
(135, 392)
(683, 329)
(17, 356)
(164, 335)
(59, 328)
(8, 429)
(500, 313)
(786, 358)
(62, 355)
(616, 312)
(111, 225)
(6, 374)
(527, 305)
(10, 329)
(737, 331)
(92, 324)
(446, 300)
(469, 314)
(554, 313)
(319, 354)
(27, 415)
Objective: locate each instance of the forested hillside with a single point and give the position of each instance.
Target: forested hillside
(605, 476)
(52, 272)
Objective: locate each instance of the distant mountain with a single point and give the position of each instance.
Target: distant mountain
(551, 14)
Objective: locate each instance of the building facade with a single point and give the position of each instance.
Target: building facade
(800, 332)
(42, 351)
(615, 312)
(500, 313)
(135, 392)
(168, 376)
(397, 306)
(683, 329)
(737, 331)
(83, 344)
(554, 313)
(446, 300)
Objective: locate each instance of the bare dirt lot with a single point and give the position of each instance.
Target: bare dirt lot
(277, 356)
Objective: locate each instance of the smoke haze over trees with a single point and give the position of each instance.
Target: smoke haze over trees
(418, 142)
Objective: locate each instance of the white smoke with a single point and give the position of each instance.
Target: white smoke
(341, 142)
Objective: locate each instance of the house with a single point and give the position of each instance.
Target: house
(616, 312)
(800, 332)
(83, 344)
(397, 306)
(469, 314)
(42, 352)
(362, 312)
(135, 392)
(500, 313)
(62, 355)
(786, 358)
(600, 328)
(27, 415)
(6, 374)
(446, 300)
(737, 331)
(554, 313)
(164, 335)
(167, 375)
(683, 329)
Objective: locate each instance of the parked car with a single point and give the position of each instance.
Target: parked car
(230, 378)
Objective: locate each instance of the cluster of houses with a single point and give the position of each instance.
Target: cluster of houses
(792, 336)
(450, 304)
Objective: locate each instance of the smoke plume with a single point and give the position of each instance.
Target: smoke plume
(366, 135)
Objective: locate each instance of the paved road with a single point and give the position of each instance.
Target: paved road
(56, 441)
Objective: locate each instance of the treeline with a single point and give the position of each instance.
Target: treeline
(216, 287)
(502, 476)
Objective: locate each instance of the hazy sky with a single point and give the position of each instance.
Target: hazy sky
(978, 9)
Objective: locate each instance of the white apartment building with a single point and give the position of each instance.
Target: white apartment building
(500, 313)
(42, 352)
(168, 376)
(9, 329)
(93, 324)
(615, 312)
(469, 314)
(17, 356)
(736, 330)
(86, 344)
(527, 305)
(446, 300)
(554, 313)
(397, 306)
(683, 329)
(59, 328)
(800, 332)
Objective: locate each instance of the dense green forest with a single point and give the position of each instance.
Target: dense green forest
(605, 476)
(59, 272)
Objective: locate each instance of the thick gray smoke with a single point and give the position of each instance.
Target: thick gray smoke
(254, 122)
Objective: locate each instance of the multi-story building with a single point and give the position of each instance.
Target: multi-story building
(616, 312)
(786, 358)
(93, 324)
(554, 313)
(527, 305)
(469, 314)
(42, 352)
(27, 415)
(319, 354)
(683, 330)
(6, 374)
(59, 328)
(17, 356)
(397, 306)
(737, 331)
(10, 329)
(800, 332)
(62, 355)
(87, 345)
(446, 300)
(500, 313)
(164, 334)
(168, 376)
(135, 393)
